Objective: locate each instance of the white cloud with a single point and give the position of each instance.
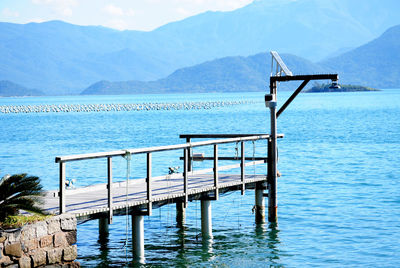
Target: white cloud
(8, 13)
(113, 10)
(61, 7)
(118, 11)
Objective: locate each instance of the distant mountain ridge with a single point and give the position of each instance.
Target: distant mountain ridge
(229, 74)
(375, 64)
(61, 58)
(10, 89)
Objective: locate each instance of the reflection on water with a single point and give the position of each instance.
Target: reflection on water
(267, 237)
(209, 250)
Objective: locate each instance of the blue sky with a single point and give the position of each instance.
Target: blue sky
(119, 14)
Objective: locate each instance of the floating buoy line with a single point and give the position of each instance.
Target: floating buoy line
(114, 107)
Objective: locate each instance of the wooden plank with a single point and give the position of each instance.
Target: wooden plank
(97, 202)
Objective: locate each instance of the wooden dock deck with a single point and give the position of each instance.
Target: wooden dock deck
(141, 195)
(92, 202)
(137, 197)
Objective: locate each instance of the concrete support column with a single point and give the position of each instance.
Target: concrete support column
(103, 226)
(138, 237)
(180, 214)
(206, 219)
(260, 205)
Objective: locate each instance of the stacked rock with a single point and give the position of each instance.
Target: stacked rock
(48, 242)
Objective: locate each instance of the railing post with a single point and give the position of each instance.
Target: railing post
(242, 166)
(62, 188)
(190, 153)
(185, 175)
(216, 171)
(148, 181)
(109, 189)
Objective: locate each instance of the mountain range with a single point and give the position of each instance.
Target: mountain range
(375, 64)
(229, 74)
(60, 58)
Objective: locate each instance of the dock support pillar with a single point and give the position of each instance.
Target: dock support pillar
(260, 204)
(103, 226)
(138, 237)
(206, 219)
(273, 160)
(180, 214)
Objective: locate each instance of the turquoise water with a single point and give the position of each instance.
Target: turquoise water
(338, 197)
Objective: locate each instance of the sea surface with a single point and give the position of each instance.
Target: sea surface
(338, 196)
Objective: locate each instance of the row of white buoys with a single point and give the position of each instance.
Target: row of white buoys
(113, 107)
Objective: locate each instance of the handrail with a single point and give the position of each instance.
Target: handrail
(187, 158)
(68, 158)
(230, 135)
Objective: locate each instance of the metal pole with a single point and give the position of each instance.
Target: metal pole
(62, 188)
(185, 176)
(216, 171)
(190, 153)
(148, 180)
(109, 189)
(242, 167)
(272, 183)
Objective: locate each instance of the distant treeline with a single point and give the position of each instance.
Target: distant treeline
(343, 88)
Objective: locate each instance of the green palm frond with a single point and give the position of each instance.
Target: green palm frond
(18, 192)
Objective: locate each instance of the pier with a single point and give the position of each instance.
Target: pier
(138, 197)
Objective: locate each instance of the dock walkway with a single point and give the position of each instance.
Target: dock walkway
(138, 197)
(92, 201)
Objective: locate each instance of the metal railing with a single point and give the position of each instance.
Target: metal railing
(62, 160)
